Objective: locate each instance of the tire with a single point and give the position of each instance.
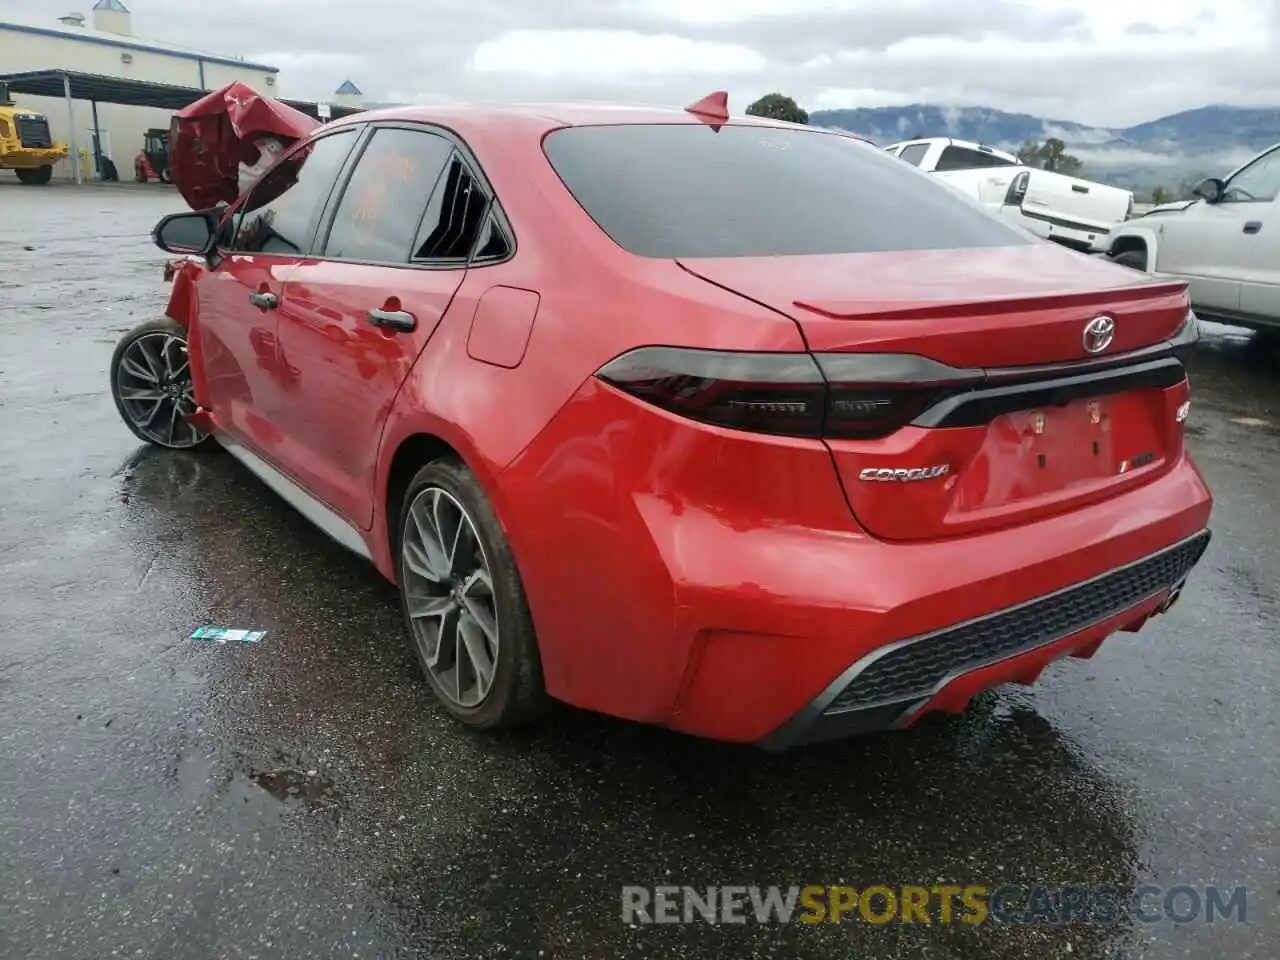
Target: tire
(166, 175)
(35, 176)
(151, 386)
(464, 605)
(1133, 259)
(139, 174)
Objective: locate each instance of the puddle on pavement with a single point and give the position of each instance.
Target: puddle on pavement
(1251, 422)
(293, 786)
(277, 791)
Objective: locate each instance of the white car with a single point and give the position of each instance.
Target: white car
(1074, 212)
(1225, 244)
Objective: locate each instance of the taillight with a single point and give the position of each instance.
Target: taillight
(1018, 189)
(836, 395)
(873, 394)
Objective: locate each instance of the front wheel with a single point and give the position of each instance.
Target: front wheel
(35, 176)
(151, 385)
(464, 603)
(166, 175)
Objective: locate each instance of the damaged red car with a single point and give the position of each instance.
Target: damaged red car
(737, 427)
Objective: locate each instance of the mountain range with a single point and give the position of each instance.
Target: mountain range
(1171, 151)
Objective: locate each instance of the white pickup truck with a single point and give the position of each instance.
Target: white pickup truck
(1074, 212)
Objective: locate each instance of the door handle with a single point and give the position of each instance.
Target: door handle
(399, 321)
(1253, 226)
(267, 301)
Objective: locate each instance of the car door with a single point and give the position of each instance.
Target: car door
(1213, 245)
(355, 319)
(1260, 279)
(270, 230)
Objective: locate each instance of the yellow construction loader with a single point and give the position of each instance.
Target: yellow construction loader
(26, 146)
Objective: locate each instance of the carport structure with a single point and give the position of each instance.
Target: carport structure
(72, 85)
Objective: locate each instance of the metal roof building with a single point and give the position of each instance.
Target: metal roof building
(107, 49)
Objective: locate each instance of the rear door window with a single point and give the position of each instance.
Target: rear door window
(688, 190)
(383, 202)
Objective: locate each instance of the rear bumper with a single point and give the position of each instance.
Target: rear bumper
(894, 685)
(1076, 235)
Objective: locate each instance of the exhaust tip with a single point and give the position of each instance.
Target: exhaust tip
(1174, 593)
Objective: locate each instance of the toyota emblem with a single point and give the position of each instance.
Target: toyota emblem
(1098, 333)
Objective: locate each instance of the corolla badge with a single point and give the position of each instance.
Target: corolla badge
(887, 474)
(1098, 333)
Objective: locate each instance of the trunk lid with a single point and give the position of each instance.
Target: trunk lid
(1021, 438)
(1070, 200)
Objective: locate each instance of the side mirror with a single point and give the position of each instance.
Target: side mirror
(1210, 190)
(187, 233)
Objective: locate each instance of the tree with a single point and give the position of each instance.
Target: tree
(1029, 153)
(1160, 195)
(1050, 155)
(775, 106)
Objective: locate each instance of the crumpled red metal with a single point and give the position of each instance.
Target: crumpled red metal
(209, 139)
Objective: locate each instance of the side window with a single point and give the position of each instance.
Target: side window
(915, 153)
(381, 207)
(962, 158)
(1257, 183)
(280, 214)
(492, 242)
(455, 216)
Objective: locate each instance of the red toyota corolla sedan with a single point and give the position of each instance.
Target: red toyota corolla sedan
(738, 427)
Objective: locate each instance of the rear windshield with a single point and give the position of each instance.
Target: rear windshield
(685, 190)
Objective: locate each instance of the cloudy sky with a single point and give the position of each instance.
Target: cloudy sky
(1106, 62)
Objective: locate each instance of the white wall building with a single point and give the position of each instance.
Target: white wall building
(106, 46)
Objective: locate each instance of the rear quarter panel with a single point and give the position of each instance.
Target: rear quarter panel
(969, 182)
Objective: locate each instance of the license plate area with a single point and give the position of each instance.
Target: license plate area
(1058, 446)
(1084, 441)
(1048, 458)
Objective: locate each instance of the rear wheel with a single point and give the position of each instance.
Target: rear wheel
(464, 603)
(166, 175)
(35, 176)
(1133, 259)
(151, 385)
(139, 173)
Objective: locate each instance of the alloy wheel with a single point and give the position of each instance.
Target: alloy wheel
(153, 382)
(448, 590)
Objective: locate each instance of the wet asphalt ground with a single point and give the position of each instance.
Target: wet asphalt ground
(305, 797)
